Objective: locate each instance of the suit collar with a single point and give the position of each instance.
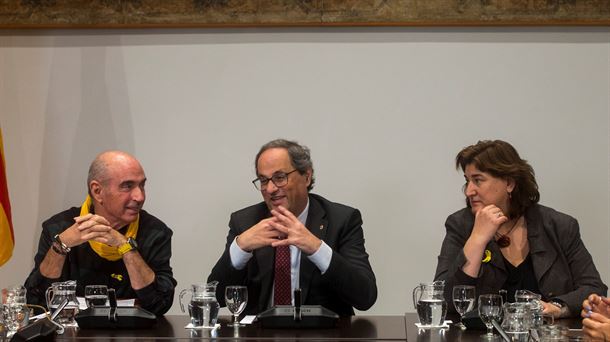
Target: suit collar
(317, 224)
(542, 252)
(541, 249)
(316, 218)
(303, 216)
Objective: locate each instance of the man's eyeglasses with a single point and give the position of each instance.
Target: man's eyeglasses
(279, 179)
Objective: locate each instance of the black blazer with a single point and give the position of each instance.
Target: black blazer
(563, 267)
(349, 281)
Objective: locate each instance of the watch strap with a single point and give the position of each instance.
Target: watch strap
(127, 247)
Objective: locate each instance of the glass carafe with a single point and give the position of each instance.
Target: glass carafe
(203, 307)
(536, 308)
(517, 321)
(429, 300)
(56, 294)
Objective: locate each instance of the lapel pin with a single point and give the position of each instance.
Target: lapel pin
(487, 257)
(321, 226)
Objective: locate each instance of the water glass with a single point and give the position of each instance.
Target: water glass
(96, 295)
(463, 300)
(236, 298)
(14, 308)
(490, 308)
(3, 329)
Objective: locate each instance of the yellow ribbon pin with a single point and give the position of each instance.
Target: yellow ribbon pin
(487, 257)
(118, 277)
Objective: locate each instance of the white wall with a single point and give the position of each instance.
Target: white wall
(384, 112)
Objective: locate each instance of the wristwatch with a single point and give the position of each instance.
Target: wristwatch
(558, 303)
(130, 245)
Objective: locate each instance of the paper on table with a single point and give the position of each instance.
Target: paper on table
(82, 303)
(248, 319)
(42, 315)
(191, 326)
(443, 326)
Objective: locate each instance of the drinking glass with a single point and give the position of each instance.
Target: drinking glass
(236, 298)
(463, 300)
(490, 308)
(14, 308)
(3, 328)
(96, 295)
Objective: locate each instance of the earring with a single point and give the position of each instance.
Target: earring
(510, 195)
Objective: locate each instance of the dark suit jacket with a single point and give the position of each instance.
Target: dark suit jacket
(349, 281)
(563, 267)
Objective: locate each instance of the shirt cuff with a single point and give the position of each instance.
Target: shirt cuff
(239, 257)
(147, 294)
(321, 258)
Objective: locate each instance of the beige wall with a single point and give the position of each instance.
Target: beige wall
(383, 110)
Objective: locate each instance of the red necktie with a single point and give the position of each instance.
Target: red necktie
(281, 282)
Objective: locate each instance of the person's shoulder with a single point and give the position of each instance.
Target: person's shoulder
(461, 221)
(553, 222)
(464, 214)
(64, 218)
(152, 223)
(330, 205)
(258, 209)
(549, 214)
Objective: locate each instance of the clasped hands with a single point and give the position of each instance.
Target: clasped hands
(281, 229)
(596, 314)
(91, 227)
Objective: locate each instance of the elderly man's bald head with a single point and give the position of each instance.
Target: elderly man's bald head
(116, 185)
(102, 164)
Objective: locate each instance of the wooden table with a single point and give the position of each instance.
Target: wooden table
(356, 328)
(364, 328)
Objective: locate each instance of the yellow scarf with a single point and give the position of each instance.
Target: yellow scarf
(109, 252)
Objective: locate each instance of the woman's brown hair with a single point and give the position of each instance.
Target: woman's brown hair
(501, 160)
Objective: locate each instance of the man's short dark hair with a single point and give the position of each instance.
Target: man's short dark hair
(300, 157)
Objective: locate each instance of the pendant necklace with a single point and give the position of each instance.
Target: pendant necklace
(503, 240)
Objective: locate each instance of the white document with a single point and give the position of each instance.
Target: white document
(248, 319)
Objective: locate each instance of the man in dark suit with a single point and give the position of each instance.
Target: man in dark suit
(294, 239)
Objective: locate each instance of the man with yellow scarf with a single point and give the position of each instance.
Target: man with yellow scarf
(109, 240)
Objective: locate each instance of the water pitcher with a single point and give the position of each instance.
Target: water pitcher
(429, 300)
(517, 321)
(534, 301)
(55, 296)
(203, 306)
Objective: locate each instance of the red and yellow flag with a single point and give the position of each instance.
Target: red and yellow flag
(7, 237)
